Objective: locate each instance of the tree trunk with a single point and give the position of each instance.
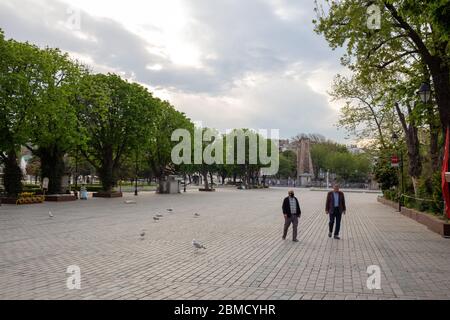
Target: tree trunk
(223, 178)
(52, 167)
(106, 171)
(12, 178)
(413, 146)
(212, 179)
(441, 83)
(205, 177)
(434, 148)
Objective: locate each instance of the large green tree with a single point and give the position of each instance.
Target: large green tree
(158, 146)
(19, 76)
(116, 117)
(53, 118)
(410, 32)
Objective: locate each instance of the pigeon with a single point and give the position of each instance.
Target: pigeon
(142, 234)
(155, 219)
(170, 210)
(50, 215)
(197, 245)
(196, 215)
(159, 215)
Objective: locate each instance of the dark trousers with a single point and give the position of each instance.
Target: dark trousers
(335, 216)
(287, 223)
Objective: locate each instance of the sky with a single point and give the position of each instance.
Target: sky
(225, 63)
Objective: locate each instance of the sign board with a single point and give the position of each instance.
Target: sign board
(45, 183)
(395, 162)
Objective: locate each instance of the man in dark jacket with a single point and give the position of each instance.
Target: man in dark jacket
(291, 212)
(335, 207)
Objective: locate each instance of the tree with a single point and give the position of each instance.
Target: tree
(158, 146)
(335, 158)
(19, 72)
(365, 112)
(115, 116)
(53, 119)
(288, 164)
(385, 174)
(411, 32)
(34, 167)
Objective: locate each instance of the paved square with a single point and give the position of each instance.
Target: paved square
(245, 256)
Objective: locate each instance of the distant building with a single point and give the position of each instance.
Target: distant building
(284, 145)
(354, 149)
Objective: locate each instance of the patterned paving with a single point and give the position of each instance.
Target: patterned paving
(245, 256)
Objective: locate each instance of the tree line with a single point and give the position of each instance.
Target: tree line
(329, 156)
(64, 113)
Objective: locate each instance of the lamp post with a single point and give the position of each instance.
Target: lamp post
(425, 92)
(76, 174)
(395, 140)
(136, 180)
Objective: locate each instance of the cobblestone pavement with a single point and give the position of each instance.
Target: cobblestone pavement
(245, 256)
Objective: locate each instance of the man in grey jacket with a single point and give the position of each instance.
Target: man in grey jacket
(292, 213)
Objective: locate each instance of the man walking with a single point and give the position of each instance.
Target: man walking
(335, 207)
(292, 212)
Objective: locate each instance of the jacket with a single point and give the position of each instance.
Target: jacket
(329, 206)
(287, 207)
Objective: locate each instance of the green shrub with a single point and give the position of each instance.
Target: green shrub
(386, 176)
(31, 188)
(429, 195)
(391, 194)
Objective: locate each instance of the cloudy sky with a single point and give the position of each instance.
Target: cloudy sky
(226, 63)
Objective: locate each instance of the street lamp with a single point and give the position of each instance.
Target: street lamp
(76, 174)
(395, 140)
(137, 173)
(425, 92)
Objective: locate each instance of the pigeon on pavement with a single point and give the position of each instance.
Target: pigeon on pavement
(50, 214)
(197, 245)
(155, 219)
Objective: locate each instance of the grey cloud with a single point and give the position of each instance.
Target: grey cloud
(237, 37)
(246, 36)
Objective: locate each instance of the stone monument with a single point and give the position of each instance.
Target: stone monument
(305, 169)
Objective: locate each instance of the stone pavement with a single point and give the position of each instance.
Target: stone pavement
(245, 256)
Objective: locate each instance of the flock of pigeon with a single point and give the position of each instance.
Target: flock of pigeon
(197, 245)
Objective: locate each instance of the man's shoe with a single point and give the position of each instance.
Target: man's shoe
(337, 237)
(295, 240)
(329, 235)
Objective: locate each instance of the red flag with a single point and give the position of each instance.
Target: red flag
(445, 189)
